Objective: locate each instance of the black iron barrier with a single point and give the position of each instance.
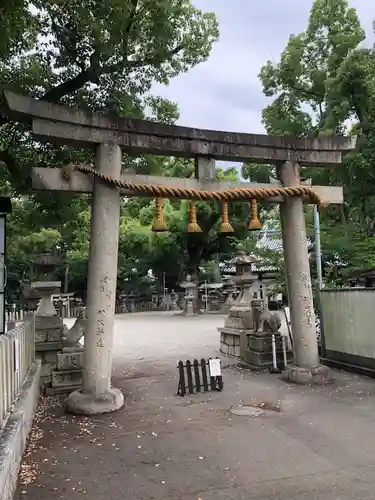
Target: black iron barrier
(197, 378)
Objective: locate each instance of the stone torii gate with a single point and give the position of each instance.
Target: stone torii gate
(108, 136)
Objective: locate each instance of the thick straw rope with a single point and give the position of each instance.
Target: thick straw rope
(232, 194)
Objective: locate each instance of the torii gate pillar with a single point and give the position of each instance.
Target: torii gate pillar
(306, 369)
(97, 395)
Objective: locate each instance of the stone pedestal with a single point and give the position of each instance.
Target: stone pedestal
(68, 375)
(48, 329)
(258, 353)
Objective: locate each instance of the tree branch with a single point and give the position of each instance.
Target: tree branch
(94, 71)
(113, 68)
(55, 94)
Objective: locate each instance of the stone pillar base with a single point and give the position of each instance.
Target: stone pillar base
(307, 376)
(81, 403)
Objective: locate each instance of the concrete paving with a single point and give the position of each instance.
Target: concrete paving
(305, 443)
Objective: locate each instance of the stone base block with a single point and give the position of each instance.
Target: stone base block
(49, 363)
(48, 323)
(263, 342)
(81, 403)
(70, 361)
(50, 335)
(318, 375)
(260, 360)
(68, 378)
(230, 342)
(47, 346)
(55, 391)
(75, 349)
(47, 370)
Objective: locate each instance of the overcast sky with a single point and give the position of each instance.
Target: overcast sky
(224, 93)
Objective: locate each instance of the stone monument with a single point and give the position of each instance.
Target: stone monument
(239, 323)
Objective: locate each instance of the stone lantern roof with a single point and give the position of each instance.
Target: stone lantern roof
(241, 257)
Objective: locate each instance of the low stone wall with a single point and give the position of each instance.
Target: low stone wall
(230, 344)
(15, 433)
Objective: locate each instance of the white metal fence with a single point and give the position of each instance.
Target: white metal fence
(17, 355)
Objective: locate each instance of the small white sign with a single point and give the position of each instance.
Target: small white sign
(215, 369)
(16, 355)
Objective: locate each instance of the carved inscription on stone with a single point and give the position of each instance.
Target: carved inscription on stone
(70, 361)
(41, 336)
(68, 378)
(99, 332)
(48, 335)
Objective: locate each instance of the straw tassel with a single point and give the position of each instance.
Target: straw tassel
(193, 226)
(159, 225)
(225, 226)
(254, 224)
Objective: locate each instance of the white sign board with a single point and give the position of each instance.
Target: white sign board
(215, 369)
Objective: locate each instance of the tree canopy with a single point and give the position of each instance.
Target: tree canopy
(324, 84)
(105, 56)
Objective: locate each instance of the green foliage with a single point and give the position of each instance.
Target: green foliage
(307, 65)
(323, 79)
(102, 56)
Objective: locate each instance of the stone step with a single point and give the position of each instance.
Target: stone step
(48, 346)
(68, 378)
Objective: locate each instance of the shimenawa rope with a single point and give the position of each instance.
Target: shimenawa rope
(232, 194)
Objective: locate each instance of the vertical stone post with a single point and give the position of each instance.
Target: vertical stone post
(306, 369)
(97, 395)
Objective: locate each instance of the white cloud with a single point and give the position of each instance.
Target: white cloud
(224, 93)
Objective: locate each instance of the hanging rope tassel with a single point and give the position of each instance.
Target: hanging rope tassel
(193, 226)
(159, 225)
(254, 224)
(225, 226)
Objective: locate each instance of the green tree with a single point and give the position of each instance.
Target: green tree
(102, 56)
(299, 81)
(323, 79)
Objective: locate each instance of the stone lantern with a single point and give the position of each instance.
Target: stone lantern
(189, 297)
(244, 278)
(48, 326)
(45, 284)
(239, 322)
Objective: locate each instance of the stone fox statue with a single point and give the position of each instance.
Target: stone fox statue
(71, 337)
(264, 320)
